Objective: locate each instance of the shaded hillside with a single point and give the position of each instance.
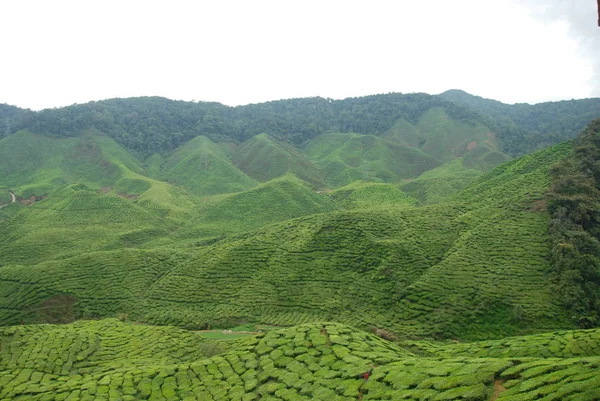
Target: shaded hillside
(203, 168)
(369, 195)
(325, 361)
(475, 268)
(575, 230)
(440, 183)
(534, 126)
(344, 158)
(150, 125)
(264, 158)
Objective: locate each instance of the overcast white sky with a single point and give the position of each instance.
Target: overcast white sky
(56, 53)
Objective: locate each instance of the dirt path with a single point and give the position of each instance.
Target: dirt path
(14, 199)
(498, 388)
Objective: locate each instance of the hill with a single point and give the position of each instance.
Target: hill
(474, 268)
(149, 125)
(439, 184)
(204, 168)
(475, 274)
(72, 221)
(275, 201)
(370, 195)
(35, 165)
(533, 126)
(344, 158)
(264, 158)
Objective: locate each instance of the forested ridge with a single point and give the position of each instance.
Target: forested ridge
(575, 229)
(149, 125)
(539, 125)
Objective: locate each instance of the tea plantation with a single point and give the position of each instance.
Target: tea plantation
(399, 266)
(110, 360)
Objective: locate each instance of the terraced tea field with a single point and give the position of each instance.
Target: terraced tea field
(469, 270)
(326, 361)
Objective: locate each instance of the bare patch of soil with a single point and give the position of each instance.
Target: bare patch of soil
(498, 388)
(105, 190)
(472, 145)
(31, 200)
(56, 309)
(130, 197)
(539, 205)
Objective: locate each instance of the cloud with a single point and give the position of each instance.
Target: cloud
(239, 52)
(582, 19)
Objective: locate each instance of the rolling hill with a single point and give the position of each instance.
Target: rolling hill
(204, 168)
(345, 158)
(372, 248)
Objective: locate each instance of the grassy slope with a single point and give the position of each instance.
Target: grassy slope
(36, 165)
(72, 221)
(112, 360)
(203, 168)
(445, 138)
(275, 201)
(470, 269)
(370, 195)
(438, 184)
(344, 158)
(264, 158)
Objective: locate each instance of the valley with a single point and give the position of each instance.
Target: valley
(439, 244)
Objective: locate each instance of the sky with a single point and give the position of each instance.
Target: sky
(57, 53)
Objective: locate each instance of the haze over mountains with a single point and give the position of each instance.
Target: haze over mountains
(411, 216)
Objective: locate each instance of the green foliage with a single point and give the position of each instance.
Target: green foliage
(369, 195)
(575, 229)
(524, 128)
(345, 158)
(110, 359)
(440, 183)
(272, 202)
(203, 168)
(264, 158)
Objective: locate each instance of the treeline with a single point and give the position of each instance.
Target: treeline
(154, 124)
(535, 126)
(574, 202)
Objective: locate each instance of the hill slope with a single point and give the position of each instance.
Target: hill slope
(470, 269)
(344, 158)
(203, 168)
(264, 158)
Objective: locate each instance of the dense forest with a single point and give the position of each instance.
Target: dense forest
(157, 125)
(153, 124)
(575, 227)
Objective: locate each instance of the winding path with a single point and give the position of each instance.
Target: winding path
(14, 199)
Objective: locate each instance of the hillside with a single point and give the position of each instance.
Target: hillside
(204, 168)
(427, 271)
(392, 237)
(345, 158)
(264, 158)
(533, 126)
(148, 125)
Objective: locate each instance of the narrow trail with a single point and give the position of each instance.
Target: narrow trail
(14, 199)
